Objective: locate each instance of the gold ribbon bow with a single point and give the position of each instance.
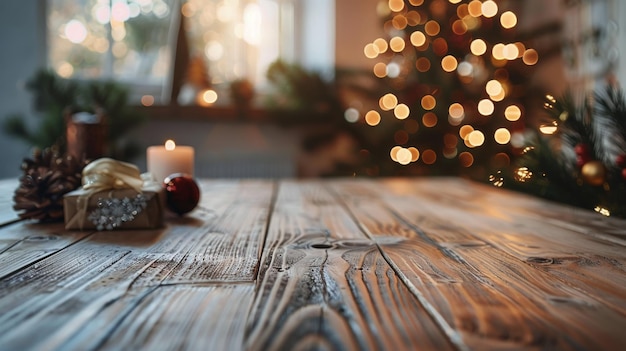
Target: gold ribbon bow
(106, 174)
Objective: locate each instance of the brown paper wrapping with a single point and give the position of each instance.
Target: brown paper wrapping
(150, 217)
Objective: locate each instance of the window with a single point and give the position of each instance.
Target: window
(138, 42)
(126, 41)
(234, 39)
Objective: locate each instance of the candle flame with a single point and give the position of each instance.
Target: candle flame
(170, 145)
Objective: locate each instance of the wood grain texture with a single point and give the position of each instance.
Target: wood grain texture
(78, 297)
(56, 287)
(227, 247)
(576, 246)
(186, 317)
(24, 243)
(342, 264)
(323, 285)
(491, 297)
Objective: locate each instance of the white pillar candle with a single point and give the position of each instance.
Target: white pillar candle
(163, 161)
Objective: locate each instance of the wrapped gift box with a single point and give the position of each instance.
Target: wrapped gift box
(114, 209)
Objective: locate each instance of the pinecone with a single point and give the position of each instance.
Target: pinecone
(47, 177)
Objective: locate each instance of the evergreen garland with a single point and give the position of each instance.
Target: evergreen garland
(297, 88)
(52, 95)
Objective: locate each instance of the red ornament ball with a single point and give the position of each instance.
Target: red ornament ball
(620, 160)
(182, 193)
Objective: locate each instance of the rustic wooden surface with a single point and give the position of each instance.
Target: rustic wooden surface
(345, 264)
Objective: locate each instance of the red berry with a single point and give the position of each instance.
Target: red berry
(620, 160)
(182, 193)
(581, 149)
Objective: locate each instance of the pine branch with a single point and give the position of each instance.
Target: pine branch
(14, 126)
(574, 122)
(610, 124)
(48, 89)
(596, 123)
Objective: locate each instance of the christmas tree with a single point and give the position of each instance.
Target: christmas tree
(453, 82)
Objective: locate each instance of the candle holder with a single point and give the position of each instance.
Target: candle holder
(86, 134)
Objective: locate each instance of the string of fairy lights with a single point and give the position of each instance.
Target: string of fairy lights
(422, 30)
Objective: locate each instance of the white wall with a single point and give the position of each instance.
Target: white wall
(230, 149)
(315, 41)
(22, 54)
(621, 41)
(357, 24)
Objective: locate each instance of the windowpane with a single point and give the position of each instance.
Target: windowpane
(236, 39)
(77, 44)
(118, 39)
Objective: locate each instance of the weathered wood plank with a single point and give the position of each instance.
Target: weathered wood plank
(347, 264)
(323, 285)
(24, 243)
(499, 203)
(574, 245)
(228, 247)
(77, 295)
(55, 291)
(492, 298)
(186, 317)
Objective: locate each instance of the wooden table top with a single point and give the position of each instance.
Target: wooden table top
(343, 264)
